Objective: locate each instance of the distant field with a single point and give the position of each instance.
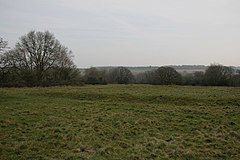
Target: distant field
(120, 122)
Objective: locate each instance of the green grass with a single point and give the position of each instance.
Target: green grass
(120, 122)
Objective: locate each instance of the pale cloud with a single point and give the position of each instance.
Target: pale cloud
(132, 32)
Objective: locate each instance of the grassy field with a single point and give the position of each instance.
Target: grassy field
(120, 122)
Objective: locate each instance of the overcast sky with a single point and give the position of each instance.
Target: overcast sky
(132, 32)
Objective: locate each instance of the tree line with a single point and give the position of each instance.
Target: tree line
(39, 59)
(215, 75)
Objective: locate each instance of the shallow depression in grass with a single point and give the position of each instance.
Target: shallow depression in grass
(120, 121)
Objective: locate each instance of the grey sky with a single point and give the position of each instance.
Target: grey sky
(132, 32)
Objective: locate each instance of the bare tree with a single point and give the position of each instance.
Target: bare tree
(120, 75)
(167, 75)
(3, 45)
(3, 61)
(38, 57)
(91, 76)
(218, 75)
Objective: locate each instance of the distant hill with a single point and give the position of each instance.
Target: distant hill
(183, 69)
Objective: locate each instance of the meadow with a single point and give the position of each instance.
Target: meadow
(120, 122)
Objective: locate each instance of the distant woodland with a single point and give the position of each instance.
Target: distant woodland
(39, 59)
